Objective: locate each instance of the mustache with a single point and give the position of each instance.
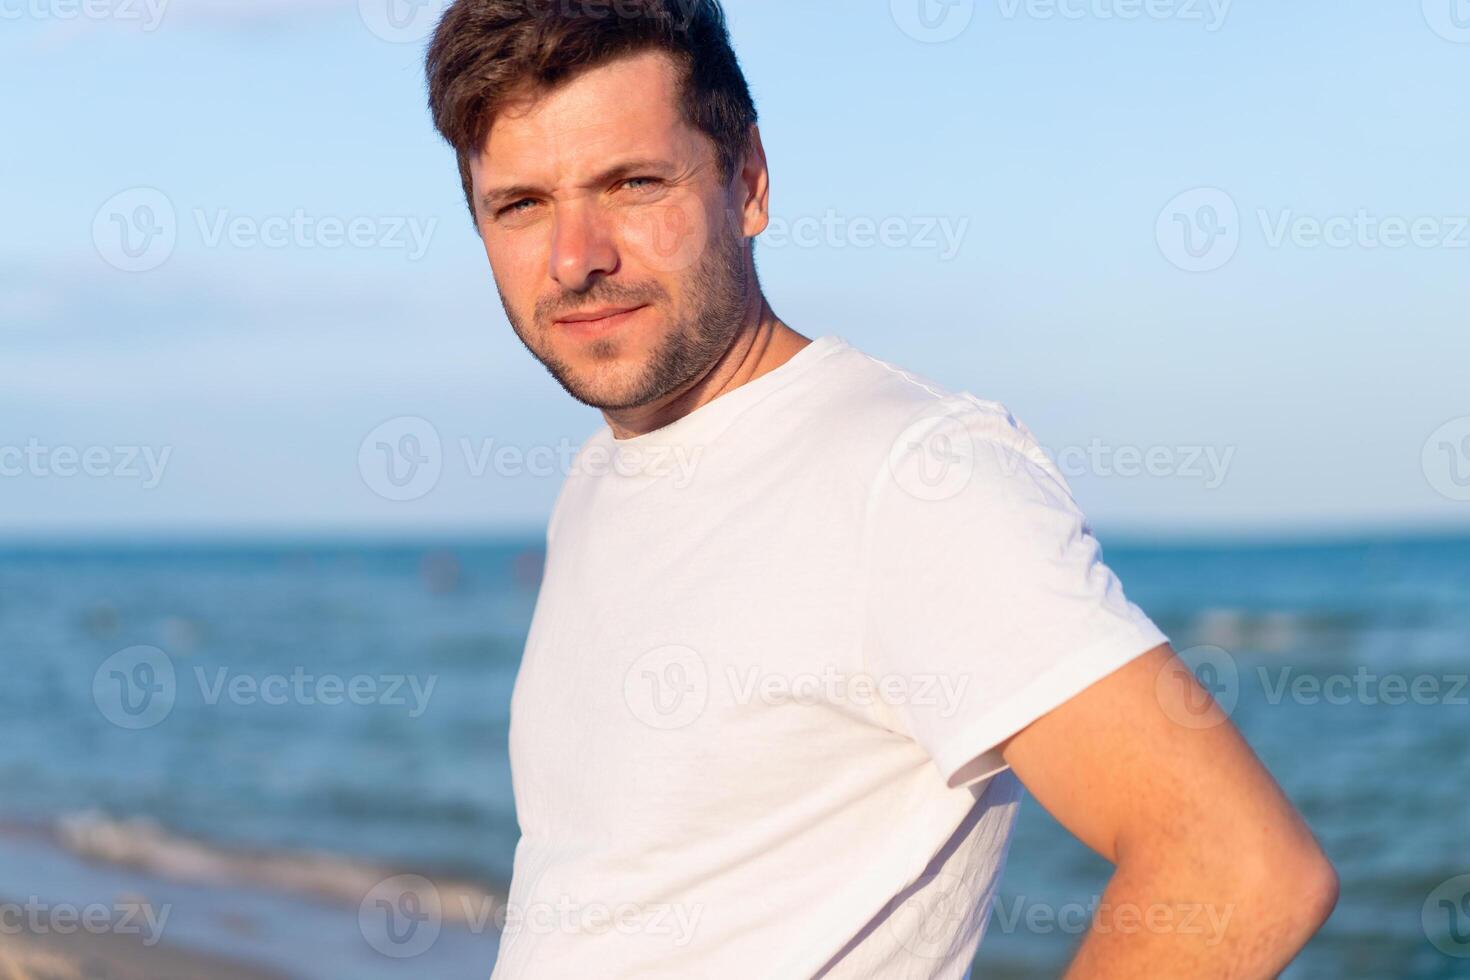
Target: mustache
(605, 293)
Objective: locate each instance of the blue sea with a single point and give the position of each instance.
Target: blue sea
(258, 734)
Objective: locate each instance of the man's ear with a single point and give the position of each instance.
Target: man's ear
(753, 187)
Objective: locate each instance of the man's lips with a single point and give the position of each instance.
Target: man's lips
(592, 318)
(596, 323)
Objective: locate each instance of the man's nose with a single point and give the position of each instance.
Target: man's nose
(582, 245)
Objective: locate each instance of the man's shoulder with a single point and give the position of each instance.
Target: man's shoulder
(874, 400)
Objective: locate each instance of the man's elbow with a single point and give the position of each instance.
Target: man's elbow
(1295, 888)
(1317, 891)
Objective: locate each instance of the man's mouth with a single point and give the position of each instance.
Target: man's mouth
(598, 320)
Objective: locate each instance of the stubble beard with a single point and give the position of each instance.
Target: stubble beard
(717, 289)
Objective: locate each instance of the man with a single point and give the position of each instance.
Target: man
(808, 621)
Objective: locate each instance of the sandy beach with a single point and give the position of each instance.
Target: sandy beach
(87, 956)
(121, 901)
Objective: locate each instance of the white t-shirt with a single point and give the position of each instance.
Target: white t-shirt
(777, 645)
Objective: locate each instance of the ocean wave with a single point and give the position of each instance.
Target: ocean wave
(1276, 631)
(143, 845)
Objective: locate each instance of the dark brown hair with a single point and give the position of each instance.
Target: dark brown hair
(485, 53)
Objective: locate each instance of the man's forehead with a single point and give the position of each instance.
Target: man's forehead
(629, 107)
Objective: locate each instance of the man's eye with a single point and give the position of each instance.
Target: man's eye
(518, 207)
(641, 183)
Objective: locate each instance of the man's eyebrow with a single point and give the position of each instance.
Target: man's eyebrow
(632, 168)
(515, 192)
(492, 198)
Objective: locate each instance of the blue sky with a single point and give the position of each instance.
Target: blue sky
(1002, 194)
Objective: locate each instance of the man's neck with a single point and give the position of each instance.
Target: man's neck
(763, 345)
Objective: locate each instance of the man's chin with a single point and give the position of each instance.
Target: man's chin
(611, 384)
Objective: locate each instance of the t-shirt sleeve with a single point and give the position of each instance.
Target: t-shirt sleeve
(988, 603)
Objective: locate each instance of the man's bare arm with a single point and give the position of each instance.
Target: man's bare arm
(1216, 873)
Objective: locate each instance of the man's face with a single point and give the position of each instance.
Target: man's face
(617, 247)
